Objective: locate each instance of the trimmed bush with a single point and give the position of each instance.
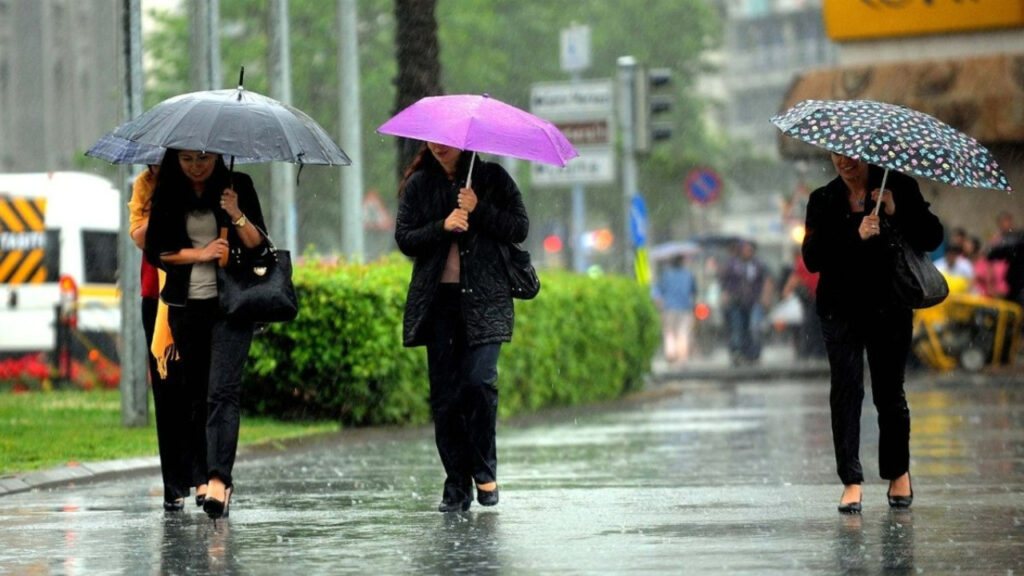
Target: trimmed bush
(582, 340)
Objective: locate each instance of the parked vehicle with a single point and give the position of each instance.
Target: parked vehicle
(58, 262)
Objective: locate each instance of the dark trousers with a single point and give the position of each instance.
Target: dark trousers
(213, 353)
(463, 398)
(744, 324)
(172, 414)
(886, 338)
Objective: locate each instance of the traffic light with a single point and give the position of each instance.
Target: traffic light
(651, 102)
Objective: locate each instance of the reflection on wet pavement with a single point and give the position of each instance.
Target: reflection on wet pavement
(714, 478)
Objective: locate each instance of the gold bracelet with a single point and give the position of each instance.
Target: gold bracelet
(241, 221)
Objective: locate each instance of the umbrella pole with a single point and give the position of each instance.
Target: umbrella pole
(469, 175)
(881, 192)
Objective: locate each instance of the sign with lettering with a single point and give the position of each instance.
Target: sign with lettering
(583, 111)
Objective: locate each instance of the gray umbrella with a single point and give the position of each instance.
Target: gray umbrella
(235, 123)
(120, 151)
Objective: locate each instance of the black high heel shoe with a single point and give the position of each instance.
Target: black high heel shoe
(900, 502)
(851, 507)
(215, 508)
(174, 505)
(200, 498)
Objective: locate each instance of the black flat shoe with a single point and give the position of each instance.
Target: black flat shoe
(174, 506)
(850, 508)
(447, 505)
(215, 508)
(486, 498)
(900, 502)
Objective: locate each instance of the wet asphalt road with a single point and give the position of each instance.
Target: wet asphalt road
(692, 477)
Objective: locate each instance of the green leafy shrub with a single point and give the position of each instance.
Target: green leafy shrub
(583, 339)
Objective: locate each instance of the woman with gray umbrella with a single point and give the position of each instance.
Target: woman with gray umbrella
(200, 211)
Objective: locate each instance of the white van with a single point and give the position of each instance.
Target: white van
(58, 245)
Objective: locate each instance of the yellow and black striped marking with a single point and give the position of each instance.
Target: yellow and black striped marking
(22, 240)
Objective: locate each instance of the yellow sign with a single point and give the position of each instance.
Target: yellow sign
(22, 240)
(863, 19)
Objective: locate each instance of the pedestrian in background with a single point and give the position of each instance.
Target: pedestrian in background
(847, 244)
(459, 305)
(170, 404)
(1006, 251)
(675, 294)
(746, 286)
(196, 198)
(988, 281)
(803, 284)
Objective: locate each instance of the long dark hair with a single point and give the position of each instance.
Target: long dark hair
(424, 160)
(172, 194)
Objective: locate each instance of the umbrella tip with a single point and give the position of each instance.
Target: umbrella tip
(241, 75)
(486, 95)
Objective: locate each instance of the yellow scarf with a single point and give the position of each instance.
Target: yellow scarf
(162, 348)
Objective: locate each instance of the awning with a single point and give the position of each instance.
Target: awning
(981, 96)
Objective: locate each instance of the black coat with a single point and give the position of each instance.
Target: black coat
(429, 197)
(167, 234)
(856, 275)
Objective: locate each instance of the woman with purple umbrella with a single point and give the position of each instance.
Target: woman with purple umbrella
(459, 304)
(847, 241)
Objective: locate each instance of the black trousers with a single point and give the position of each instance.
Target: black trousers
(213, 354)
(173, 410)
(886, 336)
(463, 398)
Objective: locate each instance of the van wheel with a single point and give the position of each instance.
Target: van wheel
(972, 359)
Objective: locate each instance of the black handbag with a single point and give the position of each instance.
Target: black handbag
(916, 281)
(522, 278)
(258, 287)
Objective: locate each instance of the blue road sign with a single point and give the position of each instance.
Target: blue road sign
(703, 185)
(638, 220)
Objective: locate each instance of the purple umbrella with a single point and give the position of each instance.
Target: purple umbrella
(482, 124)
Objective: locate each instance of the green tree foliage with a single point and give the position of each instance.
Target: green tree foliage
(497, 46)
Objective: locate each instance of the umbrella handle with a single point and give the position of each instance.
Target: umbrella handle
(881, 192)
(224, 259)
(469, 176)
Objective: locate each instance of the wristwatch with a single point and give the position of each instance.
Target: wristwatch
(240, 222)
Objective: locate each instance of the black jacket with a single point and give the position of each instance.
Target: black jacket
(856, 275)
(499, 216)
(167, 234)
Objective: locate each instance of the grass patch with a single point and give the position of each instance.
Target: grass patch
(42, 430)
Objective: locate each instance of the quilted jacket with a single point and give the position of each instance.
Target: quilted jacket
(499, 216)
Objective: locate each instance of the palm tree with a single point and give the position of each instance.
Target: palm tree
(419, 65)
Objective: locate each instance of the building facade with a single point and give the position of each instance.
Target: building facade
(60, 77)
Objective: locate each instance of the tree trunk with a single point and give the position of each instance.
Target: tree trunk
(419, 65)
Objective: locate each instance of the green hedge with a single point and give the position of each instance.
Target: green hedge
(583, 339)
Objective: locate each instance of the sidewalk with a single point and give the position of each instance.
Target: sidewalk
(778, 361)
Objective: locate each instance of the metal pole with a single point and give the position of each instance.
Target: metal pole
(627, 76)
(282, 174)
(213, 80)
(350, 130)
(134, 359)
(579, 216)
(199, 40)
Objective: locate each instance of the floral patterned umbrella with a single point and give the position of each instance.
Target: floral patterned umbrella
(894, 137)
